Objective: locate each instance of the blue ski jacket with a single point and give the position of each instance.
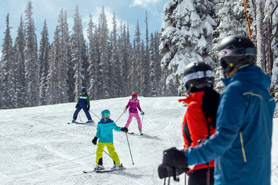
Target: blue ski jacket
(241, 145)
(105, 130)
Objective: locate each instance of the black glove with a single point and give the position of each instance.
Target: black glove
(174, 158)
(76, 106)
(88, 108)
(124, 129)
(164, 171)
(94, 141)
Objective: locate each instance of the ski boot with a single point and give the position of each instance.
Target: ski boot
(90, 121)
(140, 132)
(118, 167)
(99, 167)
(73, 121)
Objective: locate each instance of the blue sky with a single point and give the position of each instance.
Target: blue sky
(128, 11)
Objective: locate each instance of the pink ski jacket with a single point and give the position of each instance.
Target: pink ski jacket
(133, 105)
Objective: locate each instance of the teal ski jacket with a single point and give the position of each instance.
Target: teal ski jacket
(241, 145)
(105, 130)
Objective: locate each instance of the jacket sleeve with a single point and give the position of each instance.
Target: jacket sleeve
(230, 116)
(98, 131)
(138, 106)
(78, 100)
(117, 128)
(88, 100)
(128, 105)
(196, 122)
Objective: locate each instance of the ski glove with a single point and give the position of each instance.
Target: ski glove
(125, 110)
(94, 141)
(164, 171)
(88, 108)
(76, 106)
(124, 129)
(142, 113)
(174, 158)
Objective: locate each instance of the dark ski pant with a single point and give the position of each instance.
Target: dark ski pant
(199, 177)
(78, 110)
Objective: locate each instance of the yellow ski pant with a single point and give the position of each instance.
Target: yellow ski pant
(111, 150)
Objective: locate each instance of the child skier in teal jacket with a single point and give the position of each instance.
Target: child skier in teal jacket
(104, 133)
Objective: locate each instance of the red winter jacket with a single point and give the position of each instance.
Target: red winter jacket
(194, 125)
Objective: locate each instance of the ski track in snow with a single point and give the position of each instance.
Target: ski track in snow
(37, 146)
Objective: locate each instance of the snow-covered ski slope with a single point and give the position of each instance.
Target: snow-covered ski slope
(37, 146)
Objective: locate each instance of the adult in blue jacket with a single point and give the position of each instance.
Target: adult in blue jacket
(241, 145)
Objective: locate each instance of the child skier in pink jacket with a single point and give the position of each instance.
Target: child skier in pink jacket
(132, 105)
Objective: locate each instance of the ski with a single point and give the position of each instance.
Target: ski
(104, 170)
(81, 123)
(132, 133)
(77, 123)
(89, 171)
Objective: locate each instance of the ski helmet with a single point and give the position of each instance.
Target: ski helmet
(198, 75)
(83, 89)
(234, 51)
(134, 94)
(105, 113)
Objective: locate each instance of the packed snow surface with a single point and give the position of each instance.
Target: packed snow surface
(37, 146)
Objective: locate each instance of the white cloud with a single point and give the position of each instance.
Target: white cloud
(95, 17)
(144, 3)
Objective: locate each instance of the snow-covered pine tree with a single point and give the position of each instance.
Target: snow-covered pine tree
(31, 58)
(43, 64)
(65, 58)
(125, 52)
(187, 33)
(54, 71)
(92, 60)
(104, 58)
(129, 59)
(7, 75)
(116, 79)
(135, 70)
(20, 89)
(157, 67)
(77, 50)
(271, 11)
(231, 21)
(146, 62)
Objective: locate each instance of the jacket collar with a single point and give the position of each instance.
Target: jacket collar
(196, 96)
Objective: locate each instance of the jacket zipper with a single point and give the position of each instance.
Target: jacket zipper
(219, 163)
(242, 147)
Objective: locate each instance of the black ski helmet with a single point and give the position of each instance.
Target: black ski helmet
(234, 51)
(198, 75)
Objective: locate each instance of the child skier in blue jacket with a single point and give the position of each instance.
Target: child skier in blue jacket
(104, 133)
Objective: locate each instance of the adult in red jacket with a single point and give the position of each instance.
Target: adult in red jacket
(200, 117)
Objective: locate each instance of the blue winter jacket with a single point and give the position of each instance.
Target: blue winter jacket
(241, 145)
(105, 130)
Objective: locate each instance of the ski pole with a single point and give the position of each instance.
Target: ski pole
(119, 117)
(94, 114)
(80, 118)
(129, 149)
